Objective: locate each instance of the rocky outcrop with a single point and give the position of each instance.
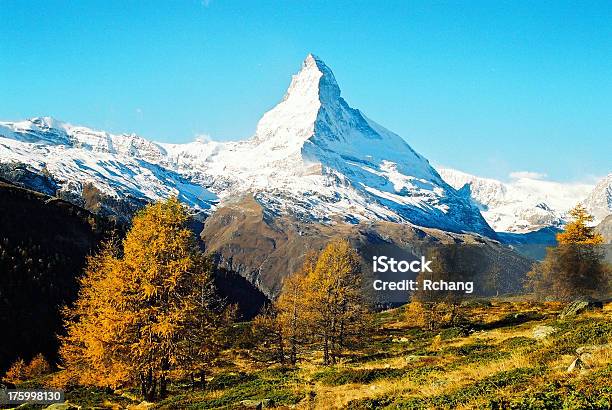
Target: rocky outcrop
(542, 332)
(22, 175)
(605, 228)
(586, 356)
(580, 305)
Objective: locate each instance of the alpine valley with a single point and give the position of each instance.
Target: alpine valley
(315, 169)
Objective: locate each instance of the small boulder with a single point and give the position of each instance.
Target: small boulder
(542, 332)
(251, 404)
(61, 406)
(586, 353)
(576, 365)
(267, 403)
(580, 305)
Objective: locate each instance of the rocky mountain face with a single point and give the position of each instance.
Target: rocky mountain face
(266, 248)
(605, 228)
(599, 200)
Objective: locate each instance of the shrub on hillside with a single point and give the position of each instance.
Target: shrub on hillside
(16, 372)
(37, 367)
(20, 371)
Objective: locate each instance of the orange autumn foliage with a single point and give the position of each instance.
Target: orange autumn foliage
(322, 305)
(20, 371)
(145, 308)
(574, 268)
(16, 371)
(578, 231)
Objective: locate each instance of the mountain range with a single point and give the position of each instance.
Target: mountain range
(312, 155)
(527, 204)
(314, 161)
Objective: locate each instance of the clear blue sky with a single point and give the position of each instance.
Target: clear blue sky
(487, 87)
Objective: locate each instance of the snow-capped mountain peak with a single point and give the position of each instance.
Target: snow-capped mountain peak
(315, 156)
(43, 130)
(292, 121)
(312, 156)
(315, 81)
(44, 123)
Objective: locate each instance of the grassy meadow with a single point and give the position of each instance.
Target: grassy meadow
(502, 356)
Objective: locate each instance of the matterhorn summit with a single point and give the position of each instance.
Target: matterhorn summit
(314, 156)
(295, 116)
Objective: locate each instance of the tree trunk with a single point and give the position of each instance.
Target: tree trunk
(163, 387)
(202, 379)
(163, 381)
(281, 349)
(148, 386)
(325, 349)
(333, 341)
(293, 351)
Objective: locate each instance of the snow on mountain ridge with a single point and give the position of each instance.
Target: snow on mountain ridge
(119, 166)
(50, 131)
(521, 205)
(314, 155)
(599, 201)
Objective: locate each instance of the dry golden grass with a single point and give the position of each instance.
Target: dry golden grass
(424, 365)
(334, 397)
(338, 397)
(598, 358)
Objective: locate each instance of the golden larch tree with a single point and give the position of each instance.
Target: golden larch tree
(578, 231)
(576, 266)
(323, 305)
(290, 305)
(335, 305)
(145, 309)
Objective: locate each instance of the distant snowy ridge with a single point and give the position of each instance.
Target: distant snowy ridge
(599, 201)
(527, 204)
(119, 166)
